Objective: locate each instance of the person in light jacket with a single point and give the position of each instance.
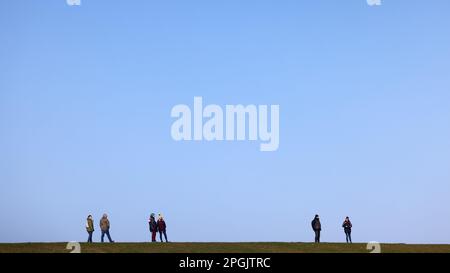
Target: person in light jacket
(89, 228)
(105, 226)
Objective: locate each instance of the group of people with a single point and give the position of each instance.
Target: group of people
(157, 226)
(161, 227)
(104, 227)
(154, 226)
(317, 228)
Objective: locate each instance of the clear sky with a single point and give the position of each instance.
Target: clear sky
(364, 94)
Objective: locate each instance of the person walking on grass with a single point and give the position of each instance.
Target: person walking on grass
(317, 227)
(89, 228)
(104, 226)
(347, 225)
(161, 224)
(153, 226)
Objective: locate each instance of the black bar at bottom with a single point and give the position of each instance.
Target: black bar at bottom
(220, 262)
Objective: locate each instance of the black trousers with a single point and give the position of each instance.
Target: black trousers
(317, 239)
(161, 235)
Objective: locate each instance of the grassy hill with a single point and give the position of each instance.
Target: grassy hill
(220, 248)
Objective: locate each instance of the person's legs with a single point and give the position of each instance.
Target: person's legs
(109, 236)
(165, 236)
(90, 237)
(154, 236)
(103, 236)
(350, 236)
(317, 233)
(160, 236)
(346, 236)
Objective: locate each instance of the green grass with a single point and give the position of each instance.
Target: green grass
(219, 248)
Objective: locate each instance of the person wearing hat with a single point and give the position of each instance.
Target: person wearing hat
(153, 226)
(347, 225)
(104, 226)
(317, 227)
(161, 224)
(89, 228)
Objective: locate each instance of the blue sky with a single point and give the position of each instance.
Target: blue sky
(364, 94)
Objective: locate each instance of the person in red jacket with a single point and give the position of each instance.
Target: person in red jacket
(161, 224)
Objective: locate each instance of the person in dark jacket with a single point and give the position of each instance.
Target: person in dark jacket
(153, 226)
(161, 224)
(317, 227)
(89, 228)
(347, 225)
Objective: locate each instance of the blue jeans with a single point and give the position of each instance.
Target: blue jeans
(161, 235)
(348, 236)
(90, 236)
(107, 234)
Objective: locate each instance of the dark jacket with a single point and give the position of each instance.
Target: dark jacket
(152, 225)
(161, 225)
(347, 225)
(315, 224)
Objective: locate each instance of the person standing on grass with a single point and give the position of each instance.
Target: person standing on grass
(161, 224)
(104, 226)
(317, 227)
(347, 225)
(153, 226)
(90, 228)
